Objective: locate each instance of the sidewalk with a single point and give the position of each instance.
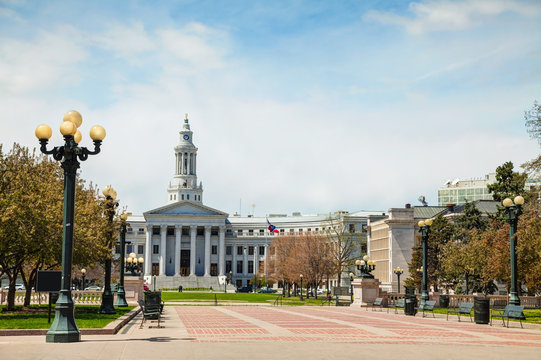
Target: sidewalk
(239, 332)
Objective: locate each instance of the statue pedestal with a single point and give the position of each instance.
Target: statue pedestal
(365, 291)
(133, 286)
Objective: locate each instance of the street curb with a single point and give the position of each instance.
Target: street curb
(110, 329)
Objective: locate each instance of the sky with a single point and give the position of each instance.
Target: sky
(309, 106)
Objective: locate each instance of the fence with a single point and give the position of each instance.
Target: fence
(529, 302)
(37, 298)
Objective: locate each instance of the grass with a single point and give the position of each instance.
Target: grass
(533, 316)
(206, 297)
(35, 317)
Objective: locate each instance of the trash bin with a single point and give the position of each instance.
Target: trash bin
(444, 301)
(481, 310)
(410, 305)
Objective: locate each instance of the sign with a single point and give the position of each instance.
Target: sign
(48, 281)
(221, 279)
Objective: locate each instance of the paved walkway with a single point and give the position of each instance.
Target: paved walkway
(249, 332)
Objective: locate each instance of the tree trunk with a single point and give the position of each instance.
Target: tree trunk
(11, 292)
(28, 284)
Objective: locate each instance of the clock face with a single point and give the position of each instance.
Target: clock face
(186, 137)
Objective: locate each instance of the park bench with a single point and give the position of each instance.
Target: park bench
(510, 312)
(400, 304)
(378, 302)
(464, 308)
(428, 306)
(150, 312)
(341, 302)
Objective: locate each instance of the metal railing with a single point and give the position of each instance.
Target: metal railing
(529, 302)
(38, 298)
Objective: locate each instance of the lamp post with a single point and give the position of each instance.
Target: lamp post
(513, 210)
(424, 229)
(227, 280)
(121, 294)
(133, 264)
(301, 287)
(351, 276)
(107, 297)
(398, 271)
(83, 274)
(64, 328)
(365, 267)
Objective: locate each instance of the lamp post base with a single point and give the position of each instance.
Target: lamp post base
(121, 297)
(107, 304)
(514, 299)
(64, 329)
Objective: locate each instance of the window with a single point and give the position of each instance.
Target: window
(261, 232)
(250, 250)
(300, 231)
(228, 250)
(141, 230)
(227, 266)
(281, 231)
(129, 249)
(250, 267)
(239, 232)
(187, 196)
(185, 231)
(130, 230)
(170, 231)
(238, 283)
(261, 250)
(239, 266)
(140, 249)
(251, 232)
(200, 231)
(213, 231)
(213, 269)
(214, 249)
(351, 228)
(309, 230)
(155, 230)
(291, 231)
(239, 250)
(182, 196)
(155, 249)
(155, 268)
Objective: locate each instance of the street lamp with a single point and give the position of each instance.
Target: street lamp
(83, 274)
(64, 328)
(365, 266)
(121, 294)
(227, 280)
(351, 276)
(133, 264)
(513, 209)
(398, 271)
(111, 203)
(424, 229)
(301, 287)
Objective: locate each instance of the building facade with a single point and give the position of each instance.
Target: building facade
(190, 244)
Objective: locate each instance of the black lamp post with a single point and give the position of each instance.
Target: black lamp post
(301, 287)
(64, 328)
(107, 297)
(83, 274)
(398, 271)
(424, 229)
(121, 294)
(365, 267)
(351, 276)
(133, 264)
(513, 210)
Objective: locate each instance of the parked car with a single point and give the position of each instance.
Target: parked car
(93, 288)
(244, 289)
(266, 291)
(17, 287)
(319, 292)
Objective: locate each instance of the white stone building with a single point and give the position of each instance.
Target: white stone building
(187, 243)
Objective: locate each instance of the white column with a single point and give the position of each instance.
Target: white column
(221, 251)
(256, 258)
(183, 170)
(189, 166)
(148, 252)
(163, 233)
(193, 233)
(207, 250)
(178, 232)
(195, 164)
(234, 265)
(245, 260)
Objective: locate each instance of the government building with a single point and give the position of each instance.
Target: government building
(186, 243)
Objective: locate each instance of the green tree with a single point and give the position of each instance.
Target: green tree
(508, 185)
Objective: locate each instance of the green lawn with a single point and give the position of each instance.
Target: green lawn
(35, 317)
(206, 297)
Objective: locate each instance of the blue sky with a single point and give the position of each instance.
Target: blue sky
(308, 106)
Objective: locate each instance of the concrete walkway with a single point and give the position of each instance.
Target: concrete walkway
(242, 332)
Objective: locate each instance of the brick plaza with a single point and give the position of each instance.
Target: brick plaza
(259, 332)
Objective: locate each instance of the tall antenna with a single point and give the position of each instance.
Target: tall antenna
(253, 209)
(240, 207)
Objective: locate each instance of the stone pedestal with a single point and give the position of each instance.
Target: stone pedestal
(365, 291)
(133, 286)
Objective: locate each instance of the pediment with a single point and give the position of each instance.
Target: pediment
(186, 208)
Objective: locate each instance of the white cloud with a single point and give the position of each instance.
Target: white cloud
(44, 61)
(451, 15)
(126, 41)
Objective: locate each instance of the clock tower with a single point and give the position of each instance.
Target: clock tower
(184, 185)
